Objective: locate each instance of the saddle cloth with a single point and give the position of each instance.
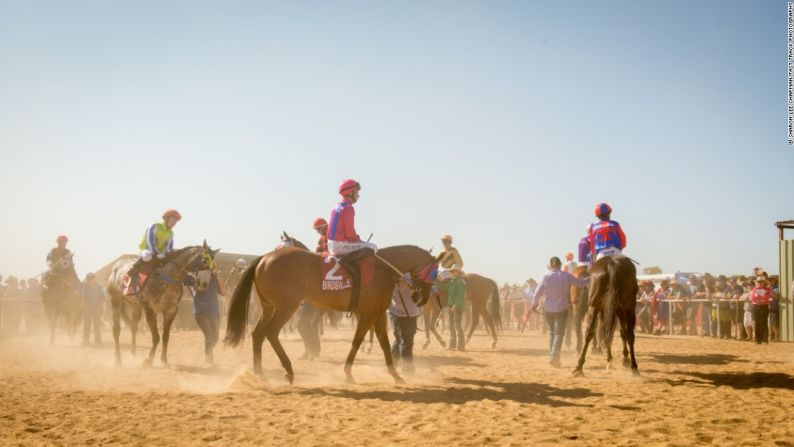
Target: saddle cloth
(129, 288)
(335, 276)
(609, 251)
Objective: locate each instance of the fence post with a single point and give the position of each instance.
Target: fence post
(719, 321)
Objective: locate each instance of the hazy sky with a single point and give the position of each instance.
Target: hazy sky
(501, 123)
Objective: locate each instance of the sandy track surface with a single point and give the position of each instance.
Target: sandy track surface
(691, 391)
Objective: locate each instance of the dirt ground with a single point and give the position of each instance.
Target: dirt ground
(690, 391)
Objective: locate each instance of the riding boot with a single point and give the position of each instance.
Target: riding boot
(355, 276)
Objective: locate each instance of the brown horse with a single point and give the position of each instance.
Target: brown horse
(286, 277)
(483, 295)
(612, 298)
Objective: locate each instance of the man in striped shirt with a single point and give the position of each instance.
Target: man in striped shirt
(556, 288)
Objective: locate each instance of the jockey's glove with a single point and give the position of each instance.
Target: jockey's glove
(189, 281)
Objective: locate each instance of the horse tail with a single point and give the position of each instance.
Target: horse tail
(610, 304)
(238, 308)
(495, 305)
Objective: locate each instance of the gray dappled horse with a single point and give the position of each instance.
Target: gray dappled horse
(62, 297)
(160, 294)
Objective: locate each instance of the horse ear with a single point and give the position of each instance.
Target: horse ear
(430, 251)
(214, 252)
(206, 247)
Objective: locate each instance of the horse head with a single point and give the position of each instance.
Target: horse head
(289, 241)
(197, 261)
(419, 263)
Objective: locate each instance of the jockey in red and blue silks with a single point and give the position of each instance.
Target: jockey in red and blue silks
(342, 236)
(606, 236)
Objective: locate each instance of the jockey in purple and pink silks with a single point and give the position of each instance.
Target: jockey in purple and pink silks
(342, 236)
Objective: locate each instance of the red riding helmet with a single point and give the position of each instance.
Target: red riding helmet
(602, 210)
(319, 222)
(62, 238)
(172, 213)
(347, 185)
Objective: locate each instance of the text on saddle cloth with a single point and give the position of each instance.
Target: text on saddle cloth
(335, 276)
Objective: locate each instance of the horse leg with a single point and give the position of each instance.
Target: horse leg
(258, 337)
(591, 330)
(427, 318)
(151, 320)
(52, 318)
(608, 344)
(490, 325)
(631, 321)
(433, 328)
(135, 318)
(279, 319)
(371, 341)
(383, 339)
(167, 320)
(116, 304)
(363, 325)
(475, 321)
(623, 320)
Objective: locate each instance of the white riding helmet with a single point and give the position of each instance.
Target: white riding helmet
(446, 237)
(241, 263)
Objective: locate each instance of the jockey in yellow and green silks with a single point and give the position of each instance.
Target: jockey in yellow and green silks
(157, 242)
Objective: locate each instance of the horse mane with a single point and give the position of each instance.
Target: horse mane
(402, 247)
(179, 252)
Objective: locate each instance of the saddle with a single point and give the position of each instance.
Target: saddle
(131, 288)
(352, 271)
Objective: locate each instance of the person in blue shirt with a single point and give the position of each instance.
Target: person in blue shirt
(206, 309)
(93, 307)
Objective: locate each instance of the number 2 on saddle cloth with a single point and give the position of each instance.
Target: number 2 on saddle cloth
(130, 287)
(336, 276)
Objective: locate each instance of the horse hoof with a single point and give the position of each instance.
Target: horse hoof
(578, 372)
(349, 380)
(493, 345)
(147, 363)
(118, 363)
(635, 371)
(290, 378)
(399, 380)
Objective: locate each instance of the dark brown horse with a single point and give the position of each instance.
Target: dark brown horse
(483, 296)
(612, 299)
(62, 297)
(287, 276)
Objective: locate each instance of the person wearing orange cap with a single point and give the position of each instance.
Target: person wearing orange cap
(321, 227)
(157, 242)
